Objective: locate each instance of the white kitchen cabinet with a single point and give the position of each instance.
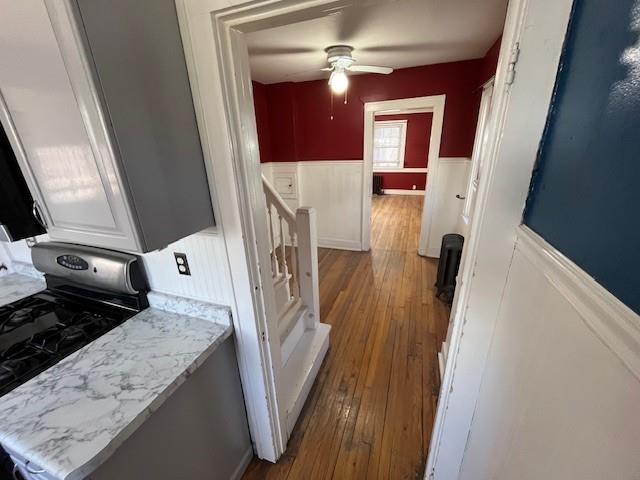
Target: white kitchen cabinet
(97, 105)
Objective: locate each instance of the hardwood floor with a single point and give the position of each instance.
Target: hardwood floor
(370, 412)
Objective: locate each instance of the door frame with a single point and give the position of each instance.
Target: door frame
(482, 133)
(431, 103)
(532, 44)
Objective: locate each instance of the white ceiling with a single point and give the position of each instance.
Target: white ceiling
(394, 33)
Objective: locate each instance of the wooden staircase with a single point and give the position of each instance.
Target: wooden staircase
(304, 340)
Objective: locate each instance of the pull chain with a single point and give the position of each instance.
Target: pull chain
(331, 113)
(345, 96)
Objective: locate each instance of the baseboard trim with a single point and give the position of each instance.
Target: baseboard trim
(243, 465)
(432, 252)
(402, 170)
(339, 244)
(398, 191)
(615, 324)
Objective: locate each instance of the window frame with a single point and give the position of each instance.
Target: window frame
(401, 148)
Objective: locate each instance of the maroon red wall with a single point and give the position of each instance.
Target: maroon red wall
(297, 116)
(262, 121)
(416, 151)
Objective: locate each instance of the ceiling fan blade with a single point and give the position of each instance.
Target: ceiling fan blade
(371, 69)
(313, 73)
(327, 69)
(258, 50)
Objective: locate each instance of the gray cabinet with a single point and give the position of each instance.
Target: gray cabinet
(98, 103)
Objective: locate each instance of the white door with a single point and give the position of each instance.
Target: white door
(476, 158)
(464, 223)
(52, 119)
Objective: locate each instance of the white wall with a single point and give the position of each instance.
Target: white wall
(206, 254)
(561, 390)
(19, 251)
(452, 180)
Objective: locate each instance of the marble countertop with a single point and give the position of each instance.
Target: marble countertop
(70, 418)
(14, 287)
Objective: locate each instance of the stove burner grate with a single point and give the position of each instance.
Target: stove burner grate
(23, 312)
(54, 327)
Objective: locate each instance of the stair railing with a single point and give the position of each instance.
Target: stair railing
(300, 270)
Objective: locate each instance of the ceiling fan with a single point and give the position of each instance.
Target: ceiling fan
(340, 61)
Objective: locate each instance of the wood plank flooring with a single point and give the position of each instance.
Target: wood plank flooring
(370, 412)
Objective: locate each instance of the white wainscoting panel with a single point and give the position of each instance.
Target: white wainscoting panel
(561, 389)
(451, 181)
(334, 189)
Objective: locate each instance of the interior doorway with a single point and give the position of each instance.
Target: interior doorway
(394, 314)
(435, 106)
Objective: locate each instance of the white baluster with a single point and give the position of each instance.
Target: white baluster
(274, 257)
(283, 252)
(295, 291)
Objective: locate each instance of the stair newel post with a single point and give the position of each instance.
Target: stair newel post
(308, 263)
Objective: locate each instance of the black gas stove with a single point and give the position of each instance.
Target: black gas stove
(89, 292)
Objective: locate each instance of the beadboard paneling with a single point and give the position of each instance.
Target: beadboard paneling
(209, 280)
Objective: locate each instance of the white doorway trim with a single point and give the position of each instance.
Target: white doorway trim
(433, 103)
(533, 37)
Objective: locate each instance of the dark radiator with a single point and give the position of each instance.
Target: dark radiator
(450, 254)
(377, 185)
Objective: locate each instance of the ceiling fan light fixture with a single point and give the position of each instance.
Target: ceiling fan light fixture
(338, 81)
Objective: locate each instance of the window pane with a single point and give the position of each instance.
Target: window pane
(388, 135)
(386, 157)
(387, 142)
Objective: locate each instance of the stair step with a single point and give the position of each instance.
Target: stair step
(286, 320)
(282, 292)
(300, 371)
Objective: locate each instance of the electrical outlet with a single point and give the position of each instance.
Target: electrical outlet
(182, 263)
(413, 187)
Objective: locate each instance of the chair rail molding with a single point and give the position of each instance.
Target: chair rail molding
(615, 324)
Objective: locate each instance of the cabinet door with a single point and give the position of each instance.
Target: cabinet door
(57, 128)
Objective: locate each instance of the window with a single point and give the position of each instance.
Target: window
(388, 144)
